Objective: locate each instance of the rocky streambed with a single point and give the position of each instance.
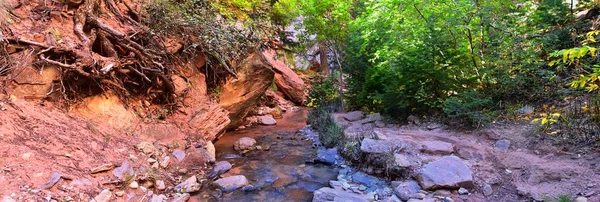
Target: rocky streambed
(417, 162)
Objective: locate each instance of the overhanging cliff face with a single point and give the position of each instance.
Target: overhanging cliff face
(239, 94)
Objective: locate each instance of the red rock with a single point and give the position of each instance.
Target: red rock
(286, 80)
(239, 94)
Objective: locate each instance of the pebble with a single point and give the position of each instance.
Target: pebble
(120, 193)
(104, 196)
(463, 191)
(182, 198)
(487, 190)
(102, 168)
(134, 185)
(179, 155)
(581, 199)
(165, 162)
(27, 156)
(160, 185)
(158, 198)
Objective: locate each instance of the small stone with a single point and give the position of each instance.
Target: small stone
(123, 171)
(231, 183)
(502, 144)
(248, 188)
(53, 180)
(244, 143)
(179, 155)
(413, 120)
(182, 198)
(159, 198)
(402, 160)
(146, 148)
(120, 193)
(156, 165)
(151, 160)
(588, 194)
(104, 196)
(463, 191)
(266, 120)
(134, 185)
(165, 162)
(160, 185)
(26, 156)
(210, 147)
(437, 147)
(581, 199)
(354, 116)
(219, 168)
(102, 168)
(189, 186)
(487, 190)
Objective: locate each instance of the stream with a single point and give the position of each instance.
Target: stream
(282, 170)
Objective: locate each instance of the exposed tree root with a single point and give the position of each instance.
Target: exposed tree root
(107, 57)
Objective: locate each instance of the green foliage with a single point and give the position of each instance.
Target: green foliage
(330, 134)
(324, 92)
(470, 107)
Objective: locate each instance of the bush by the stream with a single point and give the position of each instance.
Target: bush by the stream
(330, 134)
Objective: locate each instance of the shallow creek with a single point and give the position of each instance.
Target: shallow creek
(282, 170)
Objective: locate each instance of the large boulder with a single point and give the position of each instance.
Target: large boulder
(287, 81)
(448, 172)
(209, 121)
(369, 145)
(254, 76)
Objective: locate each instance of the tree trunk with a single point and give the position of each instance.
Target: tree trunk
(323, 56)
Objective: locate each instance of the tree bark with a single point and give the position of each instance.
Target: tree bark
(324, 59)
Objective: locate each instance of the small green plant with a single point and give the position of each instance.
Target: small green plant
(560, 198)
(323, 93)
(330, 133)
(547, 120)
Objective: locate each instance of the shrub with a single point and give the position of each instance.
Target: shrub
(468, 107)
(330, 133)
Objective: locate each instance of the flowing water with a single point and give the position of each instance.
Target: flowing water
(284, 172)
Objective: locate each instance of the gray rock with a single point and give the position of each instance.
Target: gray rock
(423, 200)
(123, 171)
(182, 198)
(392, 198)
(190, 185)
(326, 156)
(437, 147)
(104, 196)
(179, 155)
(581, 199)
(244, 143)
(487, 190)
(266, 120)
(525, 110)
(407, 190)
(402, 160)
(463, 191)
(433, 126)
(231, 183)
(206, 155)
(363, 178)
(447, 172)
(248, 188)
(158, 198)
(219, 168)
(414, 120)
(372, 118)
(354, 116)
(369, 145)
(327, 194)
(53, 180)
(502, 144)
